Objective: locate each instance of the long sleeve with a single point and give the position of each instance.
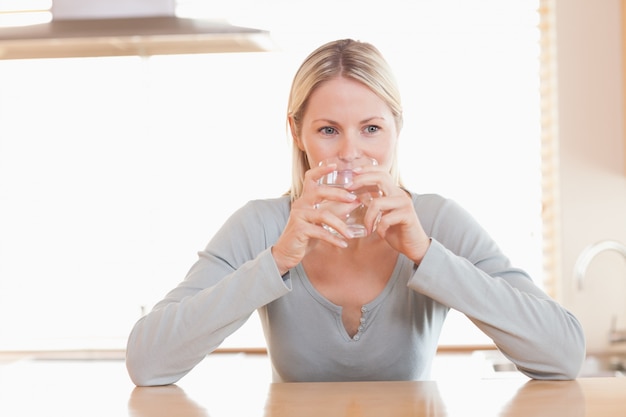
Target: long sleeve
(234, 275)
(465, 270)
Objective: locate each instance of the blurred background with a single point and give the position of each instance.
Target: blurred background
(116, 170)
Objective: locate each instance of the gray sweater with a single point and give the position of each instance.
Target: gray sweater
(463, 269)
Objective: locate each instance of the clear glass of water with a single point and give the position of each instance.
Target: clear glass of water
(343, 176)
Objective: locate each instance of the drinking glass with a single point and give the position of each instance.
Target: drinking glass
(343, 176)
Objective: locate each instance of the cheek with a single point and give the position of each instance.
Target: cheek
(313, 156)
(387, 156)
(316, 150)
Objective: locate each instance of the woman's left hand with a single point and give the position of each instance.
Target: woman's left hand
(393, 216)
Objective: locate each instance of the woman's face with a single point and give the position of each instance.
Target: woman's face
(345, 119)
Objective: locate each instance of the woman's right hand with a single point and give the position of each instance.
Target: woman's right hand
(318, 204)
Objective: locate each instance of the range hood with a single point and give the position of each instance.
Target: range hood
(105, 28)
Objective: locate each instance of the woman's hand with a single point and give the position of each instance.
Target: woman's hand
(317, 205)
(392, 216)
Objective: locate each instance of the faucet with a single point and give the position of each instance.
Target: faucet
(580, 269)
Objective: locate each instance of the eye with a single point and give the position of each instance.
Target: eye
(327, 130)
(372, 129)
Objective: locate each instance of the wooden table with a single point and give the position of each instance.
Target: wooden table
(102, 388)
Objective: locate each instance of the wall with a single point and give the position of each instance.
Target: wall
(111, 198)
(592, 179)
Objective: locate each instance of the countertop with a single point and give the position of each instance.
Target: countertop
(239, 385)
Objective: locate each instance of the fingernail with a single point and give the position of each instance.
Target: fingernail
(376, 222)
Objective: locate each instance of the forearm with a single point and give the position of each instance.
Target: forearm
(542, 338)
(193, 321)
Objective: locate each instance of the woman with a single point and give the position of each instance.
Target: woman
(334, 308)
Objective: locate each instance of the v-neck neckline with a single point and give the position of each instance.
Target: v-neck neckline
(367, 310)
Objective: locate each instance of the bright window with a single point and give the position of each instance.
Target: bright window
(24, 12)
(114, 172)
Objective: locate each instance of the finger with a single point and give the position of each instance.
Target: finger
(389, 211)
(315, 193)
(317, 232)
(309, 219)
(314, 174)
(377, 206)
(337, 209)
(372, 177)
(334, 223)
(334, 239)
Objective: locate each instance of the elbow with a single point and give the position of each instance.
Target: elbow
(557, 372)
(140, 379)
(136, 365)
(142, 374)
(568, 356)
(139, 376)
(571, 368)
(563, 363)
(143, 368)
(575, 353)
(138, 371)
(559, 369)
(575, 365)
(562, 372)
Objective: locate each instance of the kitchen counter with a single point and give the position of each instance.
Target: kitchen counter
(239, 385)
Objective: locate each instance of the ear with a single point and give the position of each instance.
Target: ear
(294, 135)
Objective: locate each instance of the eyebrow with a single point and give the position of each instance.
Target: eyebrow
(367, 120)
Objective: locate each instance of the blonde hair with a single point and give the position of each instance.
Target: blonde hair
(359, 61)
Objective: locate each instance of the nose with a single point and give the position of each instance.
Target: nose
(349, 148)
